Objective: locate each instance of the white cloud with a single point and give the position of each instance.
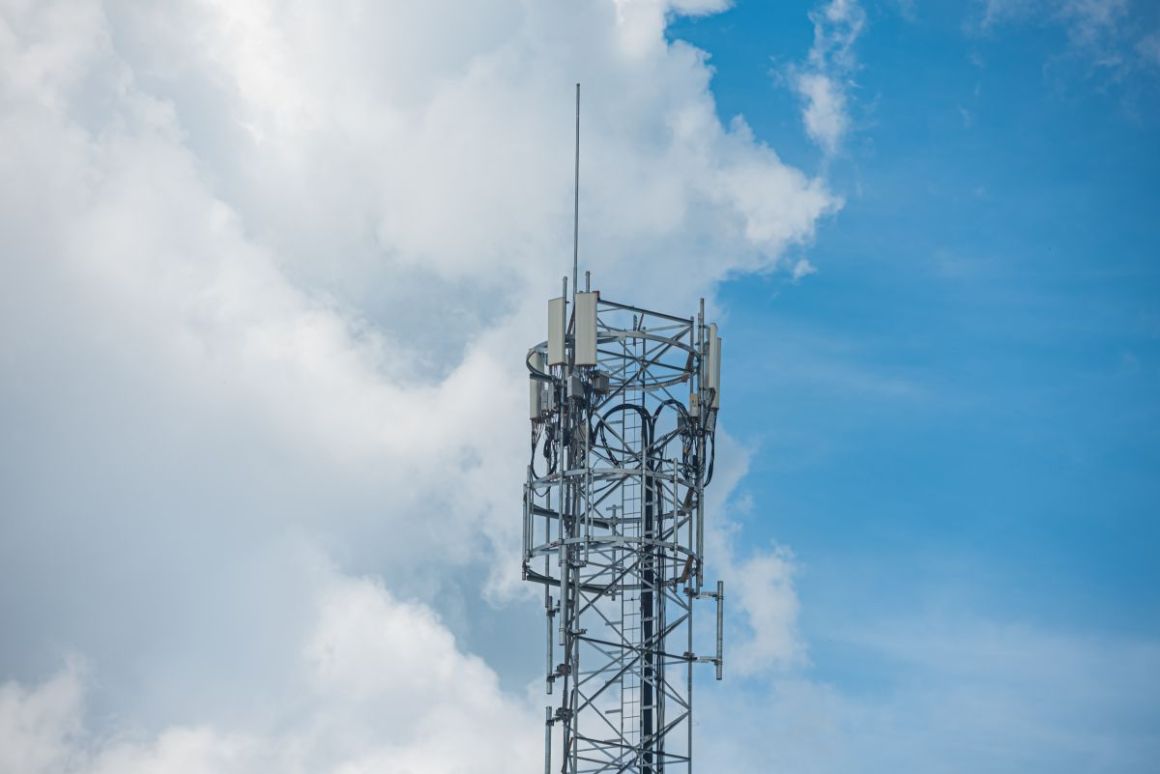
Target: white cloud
(763, 586)
(825, 113)
(380, 686)
(824, 81)
(947, 694)
(270, 273)
(641, 23)
(38, 727)
(803, 268)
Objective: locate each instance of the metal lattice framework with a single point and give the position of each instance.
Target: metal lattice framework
(623, 408)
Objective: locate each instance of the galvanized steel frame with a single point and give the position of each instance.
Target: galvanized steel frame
(614, 525)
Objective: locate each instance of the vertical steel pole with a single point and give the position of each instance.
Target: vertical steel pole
(551, 667)
(689, 655)
(720, 627)
(576, 202)
(548, 740)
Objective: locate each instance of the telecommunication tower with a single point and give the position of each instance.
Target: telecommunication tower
(623, 408)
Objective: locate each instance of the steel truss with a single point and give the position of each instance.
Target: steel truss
(622, 449)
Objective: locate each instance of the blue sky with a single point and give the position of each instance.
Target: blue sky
(271, 272)
(956, 418)
(963, 400)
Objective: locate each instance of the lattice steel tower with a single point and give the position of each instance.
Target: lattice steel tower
(623, 404)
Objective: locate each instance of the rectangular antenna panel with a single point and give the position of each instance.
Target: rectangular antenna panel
(535, 389)
(586, 328)
(713, 365)
(556, 352)
(717, 374)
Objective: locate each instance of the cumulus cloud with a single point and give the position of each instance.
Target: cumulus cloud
(270, 273)
(961, 694)
(641, 23)
(38, 726)
(823, 82)
(380, 685)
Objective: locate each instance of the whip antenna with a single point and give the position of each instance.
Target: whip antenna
(576, 204)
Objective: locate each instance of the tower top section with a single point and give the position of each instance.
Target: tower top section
(623, 404)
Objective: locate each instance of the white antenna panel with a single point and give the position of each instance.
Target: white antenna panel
(586, 328)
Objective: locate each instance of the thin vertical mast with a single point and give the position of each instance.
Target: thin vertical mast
(576, 204)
